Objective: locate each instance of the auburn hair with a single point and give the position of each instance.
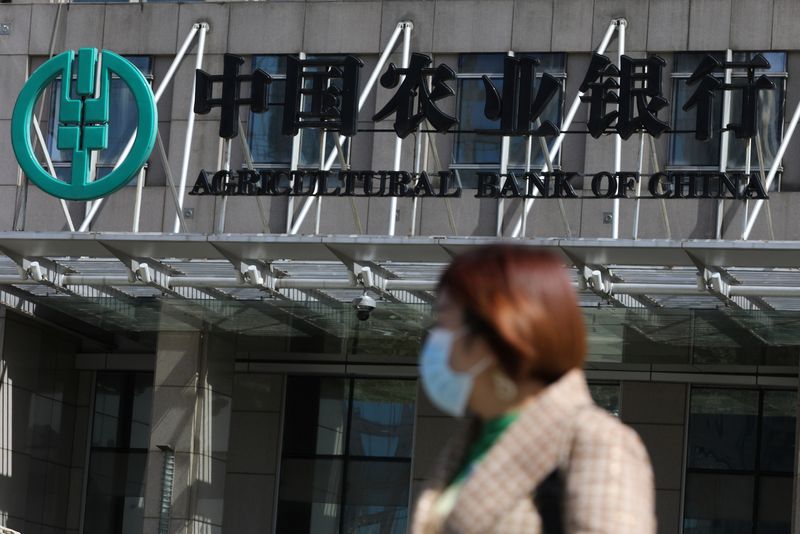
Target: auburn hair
(522, 302)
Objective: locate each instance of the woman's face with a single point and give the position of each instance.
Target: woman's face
(467, 351)
(466, 348)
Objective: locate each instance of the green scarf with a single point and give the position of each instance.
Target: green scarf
(490, 432)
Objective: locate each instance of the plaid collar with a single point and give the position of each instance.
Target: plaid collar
(526, 453)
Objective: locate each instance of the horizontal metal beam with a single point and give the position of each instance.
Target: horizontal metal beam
(219, 281)
(618, 288)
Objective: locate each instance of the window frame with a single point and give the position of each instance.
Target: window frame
(561, 76)
(273, 103)
(756, 473)
(345, 457)
(128, 398)
(678, 77)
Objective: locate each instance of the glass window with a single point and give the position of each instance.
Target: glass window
(718, 504)
(269, 147)
(778, 431)
(686, 151)
(346, 455)
(122, 121)
(723, 429)
(740, 461)
(118, 457)
(774, 505)
(606, 396)
(473, 152)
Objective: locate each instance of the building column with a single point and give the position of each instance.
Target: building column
(190, 424)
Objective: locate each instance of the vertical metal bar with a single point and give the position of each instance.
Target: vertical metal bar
(621, 23)
(654, 166)
(528, 151)
(505, 142)
(137, 205)
(417, 164)
(248, 160)
(773, 170)
(156, 97)
(187, 144)
(437, 164)
(398, 142)
(323, 138)
(549, 162)
(293, 229)
(295, 163)
(724, 138)
(639, 169)
(762, 176)
(747, 159)
(137, 208)
(573, 110)
(226, 165)
(170, 181)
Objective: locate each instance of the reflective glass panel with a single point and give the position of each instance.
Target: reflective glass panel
(267, 142)
(115, 492)
(382, 421)
(687, 62)
(316, 415)
(774, 505)
(685, 149)
(107, 405)
(473, 148)
(722, 428)
(778, 431)
(606, 396)
(769, 125)
(376, 497)
(309, 496)
(718, 504)
(273, 65)
(140, 411)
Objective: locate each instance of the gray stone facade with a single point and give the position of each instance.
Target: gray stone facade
(443, 29)
(218, 401)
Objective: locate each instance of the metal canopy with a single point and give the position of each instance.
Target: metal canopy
(307, 282)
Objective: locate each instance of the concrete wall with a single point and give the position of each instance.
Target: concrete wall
(44, 417)
(191, 415)
(252, 467)
(657, 411)
(443, 28)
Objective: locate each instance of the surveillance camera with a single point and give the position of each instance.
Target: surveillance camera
(363, 306)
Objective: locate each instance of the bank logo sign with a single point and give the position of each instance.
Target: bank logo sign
(83, 121)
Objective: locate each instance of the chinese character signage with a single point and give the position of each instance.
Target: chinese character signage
(323, 93)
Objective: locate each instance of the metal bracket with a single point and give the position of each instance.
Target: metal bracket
(600, 280)
(364, 277)
(713, 282)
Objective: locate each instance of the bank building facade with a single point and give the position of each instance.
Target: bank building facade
(222, 226)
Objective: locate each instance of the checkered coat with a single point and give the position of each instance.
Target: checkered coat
(609, 479)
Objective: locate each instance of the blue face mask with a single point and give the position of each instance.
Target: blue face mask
(447, 389)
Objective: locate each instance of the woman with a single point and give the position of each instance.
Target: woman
(540, 457)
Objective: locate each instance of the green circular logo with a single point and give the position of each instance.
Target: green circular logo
(83, 122)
